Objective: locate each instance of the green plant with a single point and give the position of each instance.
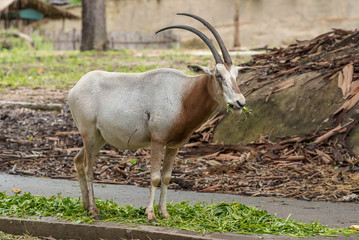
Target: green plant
(245, 110)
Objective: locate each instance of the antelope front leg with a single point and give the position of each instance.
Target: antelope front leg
(168, 163)
(79, 164)
(156, 159)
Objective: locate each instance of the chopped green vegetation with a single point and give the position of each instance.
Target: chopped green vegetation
(245, 110)
(229, 107)
(201, 217)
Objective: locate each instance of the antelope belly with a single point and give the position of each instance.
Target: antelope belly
(125, 136)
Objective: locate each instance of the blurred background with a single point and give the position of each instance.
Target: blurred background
(131, 24)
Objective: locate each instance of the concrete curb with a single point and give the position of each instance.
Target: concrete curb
(50, 227)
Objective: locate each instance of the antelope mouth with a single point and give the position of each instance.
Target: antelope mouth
(233, 107)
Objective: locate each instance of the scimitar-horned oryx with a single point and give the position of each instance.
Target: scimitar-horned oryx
(160, 108)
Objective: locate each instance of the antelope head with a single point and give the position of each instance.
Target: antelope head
(224, 73)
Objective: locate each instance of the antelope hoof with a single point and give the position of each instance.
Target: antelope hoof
(152, 219)
(164, 214)
(150, 215)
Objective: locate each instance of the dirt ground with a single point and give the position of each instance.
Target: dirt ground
(38, 95)
(43, 143)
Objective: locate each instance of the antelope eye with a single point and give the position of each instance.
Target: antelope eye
(219, 77)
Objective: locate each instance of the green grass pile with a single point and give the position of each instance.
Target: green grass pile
(201, 217)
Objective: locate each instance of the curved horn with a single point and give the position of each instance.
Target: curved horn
(226, 56)
(205, 39)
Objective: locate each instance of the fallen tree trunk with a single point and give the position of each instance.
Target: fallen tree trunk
(36, 106)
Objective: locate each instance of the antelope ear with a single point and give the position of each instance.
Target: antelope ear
(200, 70)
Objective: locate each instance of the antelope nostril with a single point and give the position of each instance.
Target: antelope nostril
(240, 104)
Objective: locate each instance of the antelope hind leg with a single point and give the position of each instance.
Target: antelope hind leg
(79, 161)
(92, 146)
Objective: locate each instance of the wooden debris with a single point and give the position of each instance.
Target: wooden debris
(325, 157)
(281, 86)
(326, 54)
(328, 134)
(345, 79)
(349, 104)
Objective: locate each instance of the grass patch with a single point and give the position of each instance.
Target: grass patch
(201, 217)
(50, 68)
(62, 69)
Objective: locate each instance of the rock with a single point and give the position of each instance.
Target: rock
(298, 110)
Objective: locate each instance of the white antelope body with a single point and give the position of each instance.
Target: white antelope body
(159, 108)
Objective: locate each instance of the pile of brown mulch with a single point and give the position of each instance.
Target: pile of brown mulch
(328, 53)
(334, 54)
